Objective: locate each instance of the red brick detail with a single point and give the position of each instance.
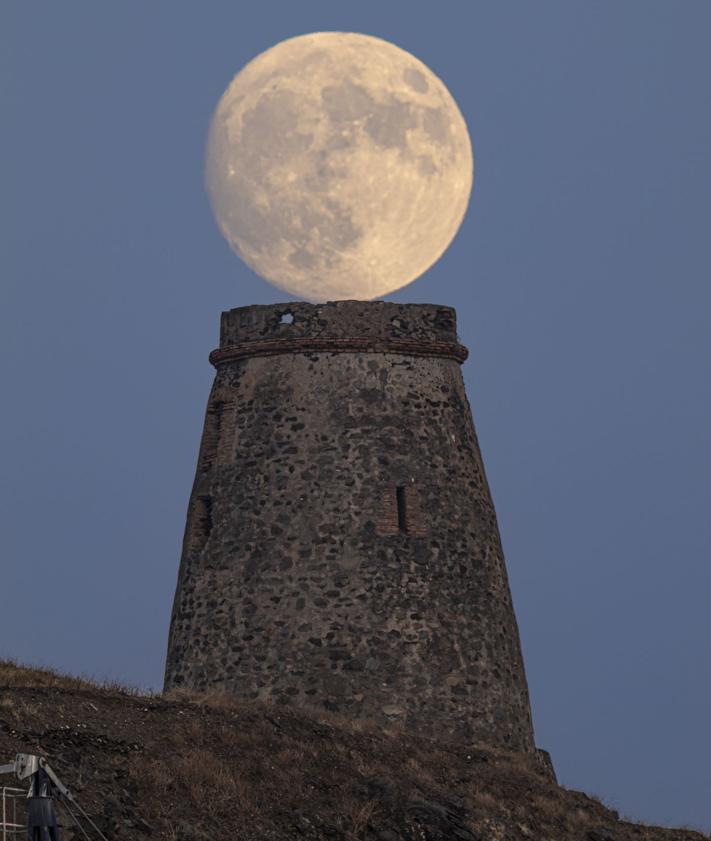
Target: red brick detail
(333, 344)
(414, 516)
(200, 522)
(388, 518)
(226, 437)
(219, 431)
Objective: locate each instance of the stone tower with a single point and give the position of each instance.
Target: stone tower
(341, 548)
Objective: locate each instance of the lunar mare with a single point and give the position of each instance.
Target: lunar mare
(338, 166)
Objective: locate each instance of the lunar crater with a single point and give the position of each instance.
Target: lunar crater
(415, 79)
(338, 166)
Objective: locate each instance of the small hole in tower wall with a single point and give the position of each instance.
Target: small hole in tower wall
(287, 318)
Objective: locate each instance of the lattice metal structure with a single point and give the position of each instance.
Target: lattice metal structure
(13, 820)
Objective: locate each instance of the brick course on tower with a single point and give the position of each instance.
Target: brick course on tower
(341, 548)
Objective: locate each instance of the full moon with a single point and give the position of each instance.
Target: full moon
(338, 166)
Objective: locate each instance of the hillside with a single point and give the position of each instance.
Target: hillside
(201, 768)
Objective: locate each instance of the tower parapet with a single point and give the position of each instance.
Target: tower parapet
(341, 548)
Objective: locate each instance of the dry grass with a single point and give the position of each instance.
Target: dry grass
(199, 766)
(14, 674)
(214, 698)
(359, 817)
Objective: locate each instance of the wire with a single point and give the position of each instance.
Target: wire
(96, 828)
(73, 817)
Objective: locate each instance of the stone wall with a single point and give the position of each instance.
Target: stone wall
(341, 548)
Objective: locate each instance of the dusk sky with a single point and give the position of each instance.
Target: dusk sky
(581, 282)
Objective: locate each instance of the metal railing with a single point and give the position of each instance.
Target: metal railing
(13, 824)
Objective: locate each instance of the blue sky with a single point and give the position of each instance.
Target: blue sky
(580, 277)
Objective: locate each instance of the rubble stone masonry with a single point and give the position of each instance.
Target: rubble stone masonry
(341, 548)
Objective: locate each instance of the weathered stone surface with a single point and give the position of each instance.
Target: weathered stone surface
(341, 548)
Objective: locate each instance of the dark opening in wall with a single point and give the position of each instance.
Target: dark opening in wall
(217, 413)
(219, 430)
(213, 426)
(401, 509)
(202, 522)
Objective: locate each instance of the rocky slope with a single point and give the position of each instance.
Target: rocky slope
(202, 768)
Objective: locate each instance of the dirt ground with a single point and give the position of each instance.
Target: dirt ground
(204, 767)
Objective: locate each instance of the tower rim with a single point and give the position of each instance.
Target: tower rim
(337, 344)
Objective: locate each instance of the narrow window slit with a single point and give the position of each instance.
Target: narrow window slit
(202, 522)
(219, 409)
(219, 433)
(213, 427)
(401, 509)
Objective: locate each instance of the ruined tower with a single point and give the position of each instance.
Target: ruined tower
(341, 548)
